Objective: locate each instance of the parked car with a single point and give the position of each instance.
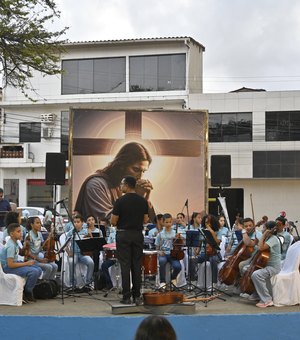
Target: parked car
(39, 212)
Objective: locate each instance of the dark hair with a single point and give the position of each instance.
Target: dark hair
(167, 215)
(270, 224)
(90, 215)
(30, 221)
(248, 219)
(12, 227)
(78, 216)
(182, 214)
(158, 217)
(155, 327)
(128, 154)
(12, 217)
(130, 181)
(281, 219)
(215, 225)
(194, 215)
(1, 191)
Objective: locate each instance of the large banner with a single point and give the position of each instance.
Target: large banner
(165, 150)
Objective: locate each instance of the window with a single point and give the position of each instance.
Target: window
(276, 164)
(30, 132)
(283, 126)
(157, 72)
(64, 137)
(105, 75)
(230, 127)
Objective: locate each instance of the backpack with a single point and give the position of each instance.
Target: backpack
(46, 289)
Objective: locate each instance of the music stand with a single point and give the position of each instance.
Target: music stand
(192, 241)
(94, 245)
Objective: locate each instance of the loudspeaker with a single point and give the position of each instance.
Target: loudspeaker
(220, 171)
(55, 168)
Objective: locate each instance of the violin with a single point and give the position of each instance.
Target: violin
(26, 248)
(177, 252)
(49, 247)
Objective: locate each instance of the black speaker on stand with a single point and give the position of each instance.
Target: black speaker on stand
(220, 170)
(55, 173)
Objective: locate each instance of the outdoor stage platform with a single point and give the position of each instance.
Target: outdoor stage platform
(91, 317)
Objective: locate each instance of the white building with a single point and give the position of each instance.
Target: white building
(258, 129)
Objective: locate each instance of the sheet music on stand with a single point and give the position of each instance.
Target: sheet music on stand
(91, 244)
(64, 246)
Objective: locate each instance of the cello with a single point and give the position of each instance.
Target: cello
(177, 252)
(49, 247)
(230, 270)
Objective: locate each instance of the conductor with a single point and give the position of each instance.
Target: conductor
(129, 213)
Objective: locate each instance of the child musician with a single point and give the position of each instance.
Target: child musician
(11, 264)
(164, 245)
(76, 234)
(48, 266)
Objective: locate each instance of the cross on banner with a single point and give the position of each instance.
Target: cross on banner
(133, 127)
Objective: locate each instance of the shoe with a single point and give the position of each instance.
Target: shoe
(126, 301)
(174, 282)
(253, 297)
(138, 301)
(29, 297)
(245, 296)
(162, 285)
(236, 290)
(265, 304)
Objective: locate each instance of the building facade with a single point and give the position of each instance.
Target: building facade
(258, 129)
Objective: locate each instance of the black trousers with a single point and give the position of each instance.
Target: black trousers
(129, 253)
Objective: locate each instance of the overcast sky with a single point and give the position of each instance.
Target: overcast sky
(251, 43)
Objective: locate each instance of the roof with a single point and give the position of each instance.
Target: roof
(247, 89)
(130, 41)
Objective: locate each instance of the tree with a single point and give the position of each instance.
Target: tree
(25, 42)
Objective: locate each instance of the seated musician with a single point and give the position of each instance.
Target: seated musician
(284, 236)
(211, 223)
(36, 241)
(235, 236)
(164, 245)
(78, 233)
(91, 228)
(158, 226)
(180, 225)
(261, 277)
(107, 263)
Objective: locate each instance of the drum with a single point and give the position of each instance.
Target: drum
(110, 251)
(149, 263)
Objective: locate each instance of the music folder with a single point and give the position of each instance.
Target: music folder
(91, 244)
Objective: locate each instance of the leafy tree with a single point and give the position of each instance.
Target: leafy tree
(25, 42)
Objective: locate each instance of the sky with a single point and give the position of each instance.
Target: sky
(248, 43)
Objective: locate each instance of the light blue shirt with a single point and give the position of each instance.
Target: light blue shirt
(10, 250)
(36, 241)
(78, 236)
(164, 241)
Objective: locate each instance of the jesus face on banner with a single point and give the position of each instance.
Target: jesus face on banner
(164, 150)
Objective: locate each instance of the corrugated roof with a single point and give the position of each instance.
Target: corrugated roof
(129, 41)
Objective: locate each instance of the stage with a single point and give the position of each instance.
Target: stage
(91, 316)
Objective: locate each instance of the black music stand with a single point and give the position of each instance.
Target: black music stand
(208, 293)
(192, 241)
(94, 245)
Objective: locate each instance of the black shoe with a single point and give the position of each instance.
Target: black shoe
(29, 297)
(138, 301)
(126, 301)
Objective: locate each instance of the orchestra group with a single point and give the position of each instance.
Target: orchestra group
(235, 254)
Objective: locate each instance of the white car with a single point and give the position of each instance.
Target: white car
(39, 212)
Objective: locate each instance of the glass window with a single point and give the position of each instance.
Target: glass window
(230, 127)
(103, 75)
(157, 73)
(276, 164)
(283, 126)
(30, 132)
(64, 137)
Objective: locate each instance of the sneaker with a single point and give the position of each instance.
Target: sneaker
(162, 285)
(174, 282)
(236, 290)
(138, 301)
(126, 301)
(245, 296)
(29, 297)
(265, 304)
(253, 297)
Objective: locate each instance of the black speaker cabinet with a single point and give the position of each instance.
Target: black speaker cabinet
(220, 171)
(55, 168)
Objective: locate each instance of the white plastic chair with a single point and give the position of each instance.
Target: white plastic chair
(11, 292)
(286, 284)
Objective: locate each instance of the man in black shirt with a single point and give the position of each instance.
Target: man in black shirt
(129, 214)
